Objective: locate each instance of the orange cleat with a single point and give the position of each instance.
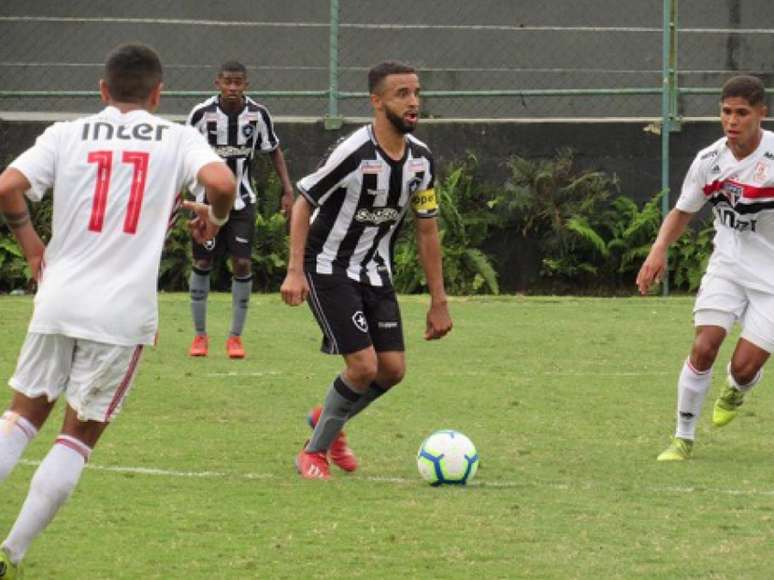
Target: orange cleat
(340, 452)
(313, 465)
(234, 347)
(199, 345)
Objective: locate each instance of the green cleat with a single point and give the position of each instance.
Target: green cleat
(726, 406)
(678, 450)
(8, 571)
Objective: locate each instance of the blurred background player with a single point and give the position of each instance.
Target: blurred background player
(115, 178)
(236, 127)
(342, 261)
(736, 176)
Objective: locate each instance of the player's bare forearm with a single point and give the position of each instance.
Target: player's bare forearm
(295, 288)
(653, 268)
(220, 187)
(281, 168)
(13, 206)
(438, 322)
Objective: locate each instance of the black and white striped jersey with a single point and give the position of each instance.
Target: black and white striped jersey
(235, 137)
(361, 197)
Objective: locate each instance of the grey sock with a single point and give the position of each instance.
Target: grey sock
(199, 286)
(240, 300)
(374, 392)
(338, 405)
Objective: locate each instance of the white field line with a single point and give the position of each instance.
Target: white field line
(572, 488)
(591, 373)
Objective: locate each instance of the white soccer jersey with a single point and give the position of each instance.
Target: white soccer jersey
(742, 196)
(116, 179)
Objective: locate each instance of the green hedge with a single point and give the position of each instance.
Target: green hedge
(573, 232)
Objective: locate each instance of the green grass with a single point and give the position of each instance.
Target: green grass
(568, 401)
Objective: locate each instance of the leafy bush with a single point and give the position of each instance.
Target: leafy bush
(463, 226)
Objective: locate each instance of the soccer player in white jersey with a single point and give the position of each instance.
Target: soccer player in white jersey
(237, 127)
(342, 261)
(736, 176)
(115, 178)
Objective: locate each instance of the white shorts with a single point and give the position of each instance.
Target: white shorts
(721, 302)
(95, 376)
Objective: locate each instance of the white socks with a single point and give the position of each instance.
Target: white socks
(15, 434)
(53, 482)
(692, 387)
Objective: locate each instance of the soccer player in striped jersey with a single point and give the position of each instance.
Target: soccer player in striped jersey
(237, 127)
(116, 178)
(735, 175)
(342, 234)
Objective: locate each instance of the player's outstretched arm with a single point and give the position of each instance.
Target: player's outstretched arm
(295, 288)
(652, 269)
(439, 321)
(13, 206)
(281, 168)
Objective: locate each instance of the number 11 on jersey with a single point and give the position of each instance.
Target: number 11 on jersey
(104, 161)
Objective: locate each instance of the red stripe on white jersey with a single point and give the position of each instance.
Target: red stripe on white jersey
(124, 386)
(748, 191)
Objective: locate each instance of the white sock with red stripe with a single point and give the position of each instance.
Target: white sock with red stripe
(15, 434)
(53, 482)
(692, 387)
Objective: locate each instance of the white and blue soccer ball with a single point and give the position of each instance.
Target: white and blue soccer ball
(447, 456)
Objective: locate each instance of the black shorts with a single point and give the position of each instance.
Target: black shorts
(353, 315)
(235, 238)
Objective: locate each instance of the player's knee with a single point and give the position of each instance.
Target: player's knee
(203, 265)
(242, 267)
(362, 371)
(745, 373)
(391, 375)
(704, 352)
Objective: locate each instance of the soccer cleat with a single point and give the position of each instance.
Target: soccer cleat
(8, 571)
(340, 452)
(726, 406)
(234, 347)
(312, 465)
(199, 346)
(678, 450)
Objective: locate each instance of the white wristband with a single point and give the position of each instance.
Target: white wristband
(215, 220)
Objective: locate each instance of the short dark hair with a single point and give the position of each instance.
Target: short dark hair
(233, 66)
(132, 71)
(747, 87)
(391, 67)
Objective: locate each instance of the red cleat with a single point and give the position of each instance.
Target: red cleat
(313, 465)
(340, 452)
(234, 347)
(199, 345)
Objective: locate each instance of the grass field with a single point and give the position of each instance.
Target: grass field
(568, 400)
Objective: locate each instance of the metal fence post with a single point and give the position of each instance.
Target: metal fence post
(669, 121)
(333, 120)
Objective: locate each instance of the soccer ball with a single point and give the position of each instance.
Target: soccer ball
(447, 456)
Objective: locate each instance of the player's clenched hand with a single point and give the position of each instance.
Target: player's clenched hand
(439, 322)
(286, 204)
(651, 271)
(294, 288)
(202, 229)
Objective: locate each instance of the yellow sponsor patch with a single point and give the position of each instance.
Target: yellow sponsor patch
(425, 202)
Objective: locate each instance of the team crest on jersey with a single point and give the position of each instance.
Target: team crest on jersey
(248, 130)
(732, 192)
(761, 173)
(360, 322)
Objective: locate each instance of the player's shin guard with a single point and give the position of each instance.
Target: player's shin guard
(338, 406)
(53, 482)
(15, 434)
(241, 288)
(199, 286)
(692, 387)
(373, 392)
